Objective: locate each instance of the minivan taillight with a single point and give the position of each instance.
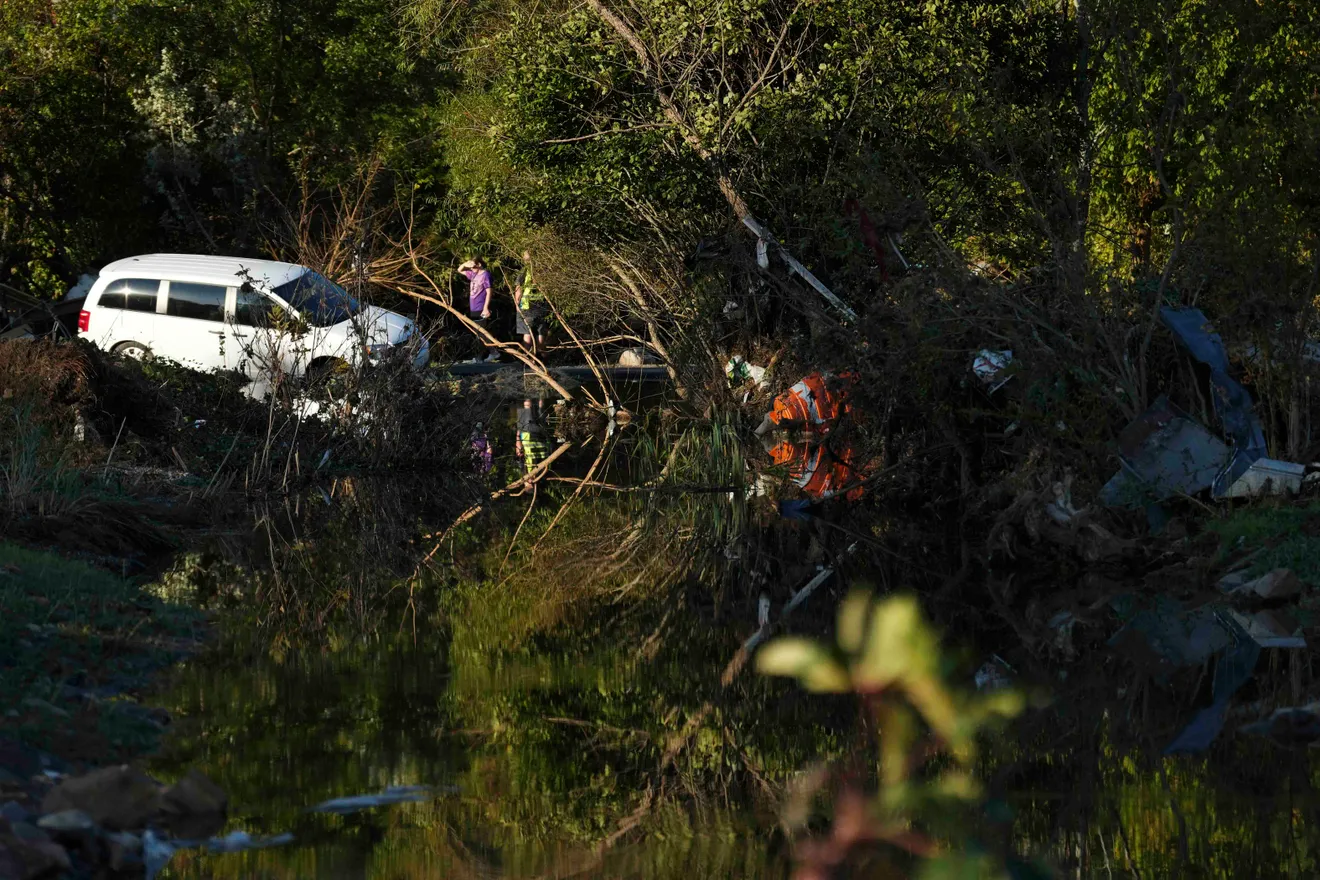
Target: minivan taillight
(84, 321)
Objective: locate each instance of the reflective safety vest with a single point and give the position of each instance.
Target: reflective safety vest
(534, 448)
(816, 402)
(818, 473)
(530, 293)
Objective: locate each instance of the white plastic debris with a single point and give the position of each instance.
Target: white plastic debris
(738, 370)
(157, 851)
(1268, 476)
(237, 841)
(397, 794)
(993, 675)
(988, 365)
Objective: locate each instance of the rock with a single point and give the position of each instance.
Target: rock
(195, 793)
(45, 706)
(11, 864)
(14, 812)
(194, 826)
(54, 855)
(119, 798)
(28, 860)
(9, 780)
(635, 357)
(17, 758)
(123, 850)
(67, 822)
(1277, 584)
(28, 832)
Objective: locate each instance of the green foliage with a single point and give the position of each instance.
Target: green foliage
(135, 127)
(888, 654)
(1275, 536)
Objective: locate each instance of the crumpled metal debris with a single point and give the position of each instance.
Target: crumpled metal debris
(1164, 453)
(1277, 584)
(1270, 628)
(1166, 637)
(1233, 669)
(1232, 402)
(1290, 726)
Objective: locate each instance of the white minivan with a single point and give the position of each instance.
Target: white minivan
(259, 317)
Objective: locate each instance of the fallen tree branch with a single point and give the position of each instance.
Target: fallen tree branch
(531, 478)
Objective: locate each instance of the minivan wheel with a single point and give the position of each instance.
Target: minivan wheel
(136, 350)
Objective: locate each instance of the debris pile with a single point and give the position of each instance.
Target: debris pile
(115, 821)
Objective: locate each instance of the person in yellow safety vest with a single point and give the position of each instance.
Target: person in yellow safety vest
(815, 404)
(529, 444)
(530, 305)
(818, 471)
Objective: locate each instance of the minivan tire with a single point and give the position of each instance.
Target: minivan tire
(135, 350)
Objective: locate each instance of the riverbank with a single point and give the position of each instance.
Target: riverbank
(78, 645)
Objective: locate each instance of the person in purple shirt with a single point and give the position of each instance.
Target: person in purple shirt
(479, 298)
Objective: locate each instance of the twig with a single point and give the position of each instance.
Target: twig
(115, 445)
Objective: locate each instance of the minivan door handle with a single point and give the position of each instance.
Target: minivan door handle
(217, 332)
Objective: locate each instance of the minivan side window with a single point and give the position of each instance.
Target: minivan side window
(204, 302)
(132, 294)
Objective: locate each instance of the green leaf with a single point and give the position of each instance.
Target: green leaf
(901, 646)
(806, 660)
(852, 620)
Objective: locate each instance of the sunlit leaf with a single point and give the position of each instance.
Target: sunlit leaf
(805, 660)
(962, 786)
(900, 645)
(852, 620)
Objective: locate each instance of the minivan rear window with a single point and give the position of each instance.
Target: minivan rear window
(203, 302)
(131, 294)
(321, 302)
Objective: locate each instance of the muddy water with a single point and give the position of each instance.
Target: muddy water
(538, 724)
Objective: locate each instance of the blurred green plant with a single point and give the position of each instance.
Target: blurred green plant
(927, 727)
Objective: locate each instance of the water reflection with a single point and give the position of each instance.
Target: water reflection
(565, 673)
(491, 673)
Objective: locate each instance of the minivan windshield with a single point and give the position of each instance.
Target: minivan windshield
(321, 302)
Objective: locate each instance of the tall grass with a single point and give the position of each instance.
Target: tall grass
(36, 476)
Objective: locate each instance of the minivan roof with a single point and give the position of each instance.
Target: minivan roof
(201, 269)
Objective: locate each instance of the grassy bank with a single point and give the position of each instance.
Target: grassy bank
(76, 643)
